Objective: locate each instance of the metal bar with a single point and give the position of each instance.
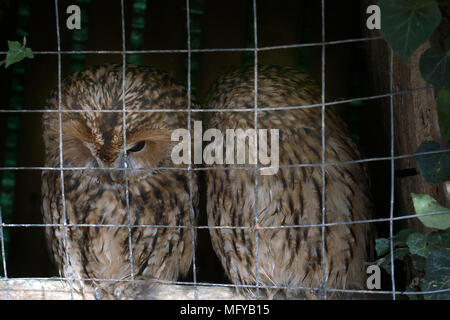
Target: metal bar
(323, 173)
(289, 46)
(61, 160)
(255, 109)
(316, 105)
(127, 193)
(191, 206)
(391, 209)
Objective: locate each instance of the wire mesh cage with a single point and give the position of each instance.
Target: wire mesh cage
(194, 41)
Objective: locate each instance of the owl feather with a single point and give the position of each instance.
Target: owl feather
(110, 239)
(293, 258)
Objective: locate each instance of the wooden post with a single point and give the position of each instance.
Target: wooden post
(415, 117)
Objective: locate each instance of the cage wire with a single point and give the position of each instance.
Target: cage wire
(133, 57)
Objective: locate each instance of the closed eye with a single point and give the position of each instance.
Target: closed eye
(137, 147)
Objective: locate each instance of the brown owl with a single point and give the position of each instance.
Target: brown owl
(291, 195)
(103, 224)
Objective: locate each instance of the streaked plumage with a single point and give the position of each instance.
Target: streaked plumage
(288, 256)
(156, 197)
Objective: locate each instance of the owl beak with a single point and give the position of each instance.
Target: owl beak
(114, 175)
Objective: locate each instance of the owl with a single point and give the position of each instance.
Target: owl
(126, 219)
(288, 257)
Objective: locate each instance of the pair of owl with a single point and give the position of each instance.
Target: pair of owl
(130, 215)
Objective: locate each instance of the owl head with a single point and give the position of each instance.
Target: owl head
(95, 134)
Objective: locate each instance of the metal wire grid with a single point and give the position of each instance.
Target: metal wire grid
(61, 160)
(322, 167)
(323, 289)
(255, 103)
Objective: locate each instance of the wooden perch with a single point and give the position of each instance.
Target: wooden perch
(50, 289)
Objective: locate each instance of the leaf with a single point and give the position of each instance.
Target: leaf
(423, 203)
(417, 244)
(401, 237)
(16, 53)
(437, 274)
(438, 264)
(406, 24)
(445, 235)
(435, 168)
(382, 246)
(435, 67)
(400, 253)
(434, 240)
(422, 244)
(418, 262)
(414, 287)
(443, 100)
(385, 262)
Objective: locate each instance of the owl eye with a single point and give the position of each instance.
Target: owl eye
(137, 147)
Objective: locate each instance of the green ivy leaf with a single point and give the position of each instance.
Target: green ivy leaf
(435, 168)
(418, 262)
(16, 53)
(401, 237)
(417, 244)
(443, 100)
(385, 262)
(406, 24)
(437, 274)
(435, 241)
(422, 244)
(423, 203)
(400, 253)
(445, 235)
(382, 246)
(435, 67)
